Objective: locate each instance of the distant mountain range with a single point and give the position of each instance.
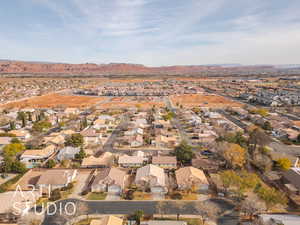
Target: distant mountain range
(21, 67)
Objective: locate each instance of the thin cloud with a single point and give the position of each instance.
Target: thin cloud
(159, 32)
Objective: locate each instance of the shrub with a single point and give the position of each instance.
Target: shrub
(129, 195)
(55, 195)
(70, 186)
(85, 192)
(284, 163)
(51, 163)
(176, 196)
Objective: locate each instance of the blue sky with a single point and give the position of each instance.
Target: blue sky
(151, 32)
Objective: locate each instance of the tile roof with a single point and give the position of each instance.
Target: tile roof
(151, 171)
(5, 140)
(164, 160)
(186, 174)
(107, 220)
(56, 177)
(111, 176)
(130, 159)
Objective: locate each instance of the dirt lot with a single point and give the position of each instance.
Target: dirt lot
(120, 105)
(297, 123)
(133, 80)
(55, 100)
(212, 101)
(129, 101)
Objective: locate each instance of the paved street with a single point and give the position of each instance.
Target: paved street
(149, 207)
(81, 184)
(233, 120)
(287, 149)
(108, 146)
(176, 123)
(275, 145)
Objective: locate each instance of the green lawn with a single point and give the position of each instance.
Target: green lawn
(65, 194)
(96, 196)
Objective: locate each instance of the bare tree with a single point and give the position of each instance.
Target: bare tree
(207, 210)
(258, 138)
(252, 205)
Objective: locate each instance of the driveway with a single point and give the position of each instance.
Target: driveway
(158, 196)
(82, 181)
(287, 149)
(112, 197)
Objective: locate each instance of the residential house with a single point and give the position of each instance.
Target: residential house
(166, 162)
(138, 153)
(206, 164)
(104, 122)
(90, 137)
(67, 132)
(56, 178)
(191, 177)
(105, 160)
(207, 136)
(291, 134)
(136, 141)
(70, 111)
(107, 220)
(4, 141)
(67, 153)
(54, 140)
(112, 180)
(152, 177)
(195, 120)
(32, 158)
(292, 177)
(141, 121)
(162, 124)
(278, 219)
(162, 141)
(22, 135)
(213, 115)
(135, 131)
(131, 161)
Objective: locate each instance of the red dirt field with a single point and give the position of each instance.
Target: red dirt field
(55, 100)
(212, 101)
(138, 104)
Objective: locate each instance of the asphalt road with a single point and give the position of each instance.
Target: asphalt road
(276, 145)
(287, 149)
(227, 215)
(233, 120)
(289, 116)
(108, 146)
(176, 123)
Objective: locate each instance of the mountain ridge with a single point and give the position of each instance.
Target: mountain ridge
(23, 67)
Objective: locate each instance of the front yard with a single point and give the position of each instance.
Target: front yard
(182, 196)
(138, 195)
(96, 196)
(190, 221)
